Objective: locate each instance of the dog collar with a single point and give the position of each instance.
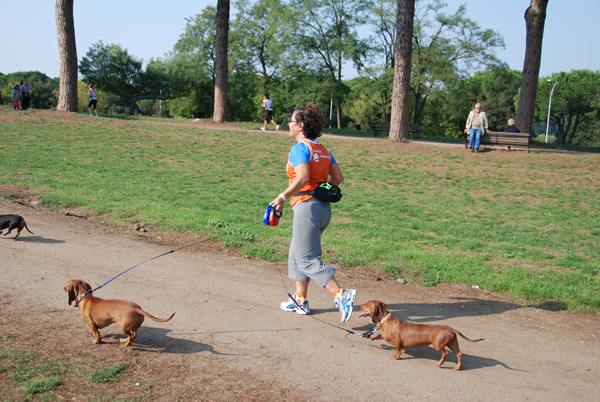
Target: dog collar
(82, 296)
(369, 333)
(384, 319)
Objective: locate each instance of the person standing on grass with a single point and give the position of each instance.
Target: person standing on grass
(25, 95)
(476, 126)
(268, 105)
(16, 97)
(309, 164)
(93, 99)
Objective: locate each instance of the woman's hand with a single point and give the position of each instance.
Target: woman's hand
(278, 204)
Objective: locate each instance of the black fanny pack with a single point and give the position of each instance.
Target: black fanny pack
(325, 191)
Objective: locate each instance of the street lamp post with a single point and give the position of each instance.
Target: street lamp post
(549, 106)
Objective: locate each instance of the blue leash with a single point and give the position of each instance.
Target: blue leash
(129, 269)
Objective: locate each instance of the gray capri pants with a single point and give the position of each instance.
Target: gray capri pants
(311, 218)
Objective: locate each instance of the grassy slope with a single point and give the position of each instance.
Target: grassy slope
(525, 225)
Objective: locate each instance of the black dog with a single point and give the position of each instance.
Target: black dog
(11, 222)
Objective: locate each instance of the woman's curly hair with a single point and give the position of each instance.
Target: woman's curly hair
(312, 119)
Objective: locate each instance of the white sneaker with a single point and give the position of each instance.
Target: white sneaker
(277, 127)
(292, 305)
(262, 128)
(346, 304)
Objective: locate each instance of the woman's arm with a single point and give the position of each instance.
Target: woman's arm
(302, 175)
(335, 174)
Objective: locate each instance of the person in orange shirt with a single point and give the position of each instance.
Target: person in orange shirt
(309, 164)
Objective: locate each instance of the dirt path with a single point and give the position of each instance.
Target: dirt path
(228, 320)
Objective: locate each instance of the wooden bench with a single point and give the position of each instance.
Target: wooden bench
(503, 139)
(384, 126)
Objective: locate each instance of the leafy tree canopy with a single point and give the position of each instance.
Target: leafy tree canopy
(576, 100)
(113, 69)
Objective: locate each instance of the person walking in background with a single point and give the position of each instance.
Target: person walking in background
(309, 164)
(16, 97)
(25, 95)
(93, 99)
(477, 125)
(512, 128)
(268, 105)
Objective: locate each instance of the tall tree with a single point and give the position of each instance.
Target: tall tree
(221, 61)
(260, 38)
(67, 49)
(535, 18)
(199, 38)
(402, 67)
(446, 46)
(328, 37)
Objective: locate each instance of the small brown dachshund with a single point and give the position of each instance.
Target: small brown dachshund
(11, 222)
(403, 334)
(99, 313)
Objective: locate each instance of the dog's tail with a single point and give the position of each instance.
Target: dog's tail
(464, 337)
(27, 227)
(145, 314)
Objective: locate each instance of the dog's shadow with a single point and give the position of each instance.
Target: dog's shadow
(470, 362)
(151, 339)
(35, 239)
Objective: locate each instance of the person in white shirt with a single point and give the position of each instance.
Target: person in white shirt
(93, 99)
(268, 105)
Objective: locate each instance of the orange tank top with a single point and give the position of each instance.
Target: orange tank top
(320, 161)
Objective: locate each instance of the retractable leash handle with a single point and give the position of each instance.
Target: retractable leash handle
(271, 216)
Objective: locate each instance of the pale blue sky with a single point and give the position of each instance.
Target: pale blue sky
(150, 28)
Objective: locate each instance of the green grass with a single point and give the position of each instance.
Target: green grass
(35, 375)
(35, 372)
(107, 373)
(523, 225)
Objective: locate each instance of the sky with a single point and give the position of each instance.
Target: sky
(150, 28)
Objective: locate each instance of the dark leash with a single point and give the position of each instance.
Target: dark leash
(363, 335)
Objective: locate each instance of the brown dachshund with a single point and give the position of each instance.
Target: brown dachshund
(100, 313)
(11, 222)
(403, 334)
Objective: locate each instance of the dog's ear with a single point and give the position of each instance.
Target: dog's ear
(71, 292)
(86, 285)
(378, 312)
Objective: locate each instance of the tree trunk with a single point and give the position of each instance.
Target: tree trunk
(221, 62)
(402, 66)
(535, 17)
(65, 28)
